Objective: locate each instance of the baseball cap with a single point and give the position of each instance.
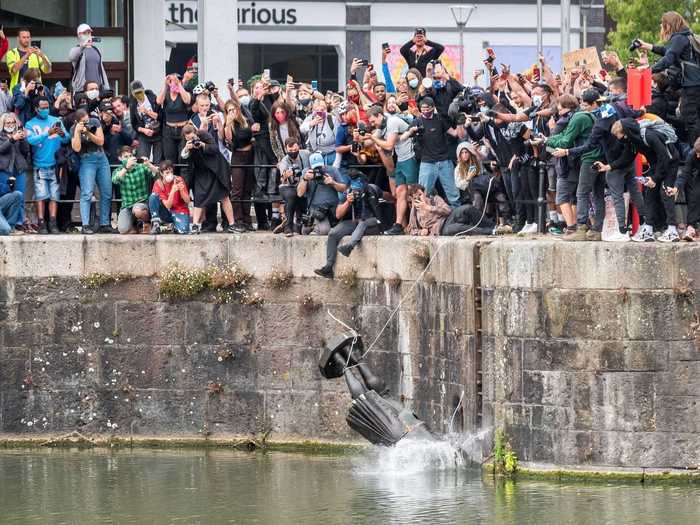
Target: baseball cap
(274, 83)
(316, 160)
(419, 31)
(83, 27)
(106, 105)
(136, 86)
(590, 95)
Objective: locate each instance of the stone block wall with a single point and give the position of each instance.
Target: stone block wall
(119, 359)
(592, 351)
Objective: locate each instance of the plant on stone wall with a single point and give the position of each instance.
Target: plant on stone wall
(308, 305)
(504, 459)
(348, 278)
(226, 283)
(421, 254)
(393, 280)
(279, 279)
(97, 280)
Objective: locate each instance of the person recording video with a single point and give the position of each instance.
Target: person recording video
(320, 184)
(291, 167)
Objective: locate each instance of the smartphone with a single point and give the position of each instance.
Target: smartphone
(314, 85)
(96, 39)
(364, 62)
(385, 45)
(266, 74)
(36, 44)
(230, 81)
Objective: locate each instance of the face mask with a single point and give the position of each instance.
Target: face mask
(293, 154)
(413, 83)
(280, 118)
(92, 94)
(10, 128)
(43, 113)
(537, 100)
(483, 109)
(84, 39)
(321, 114)
(169, 178)
(304, 101)
(427, 114)
(245, 100)
(437, 84)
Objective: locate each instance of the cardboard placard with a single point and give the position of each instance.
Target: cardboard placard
(586, 58)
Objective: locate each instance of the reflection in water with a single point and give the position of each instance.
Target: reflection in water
(379, 486)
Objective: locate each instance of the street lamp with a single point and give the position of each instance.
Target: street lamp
(462, 13)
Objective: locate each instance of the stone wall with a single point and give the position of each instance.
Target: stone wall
(119, 359)
(592, 351)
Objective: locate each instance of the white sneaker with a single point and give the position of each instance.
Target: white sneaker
(525, 229)
(618, 237)
(669, 236)
(644, 234)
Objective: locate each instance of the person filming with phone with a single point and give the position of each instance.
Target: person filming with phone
(24, 57)
(87, 61)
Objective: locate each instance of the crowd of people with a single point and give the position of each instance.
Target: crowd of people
(422, 154)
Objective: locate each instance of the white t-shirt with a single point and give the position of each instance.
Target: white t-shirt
(403, 148)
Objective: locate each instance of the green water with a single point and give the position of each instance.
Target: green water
(198, 487)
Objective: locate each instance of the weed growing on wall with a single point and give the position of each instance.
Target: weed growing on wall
(279, 279)
(98, 280)
(308, 305)
(348, 278)
(504, 459)
(225, 283)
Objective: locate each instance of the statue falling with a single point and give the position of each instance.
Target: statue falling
(372, 414)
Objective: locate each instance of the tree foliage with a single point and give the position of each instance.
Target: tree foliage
(641, 19)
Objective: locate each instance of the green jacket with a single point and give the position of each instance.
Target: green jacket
(575, 133)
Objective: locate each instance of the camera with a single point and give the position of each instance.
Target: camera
(91, 127)
(209, 86)
(636, 44)
(318, 174)
(465, 102)
(420, 129)
(355, 147)
(196, 143)
(296, 175)
(316, 214)
(11, 181)
(362, 129)
(38, 86)
(140, 160)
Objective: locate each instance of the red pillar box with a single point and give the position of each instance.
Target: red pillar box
(638, 95)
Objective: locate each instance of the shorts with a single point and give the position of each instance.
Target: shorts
(406, 172)
(551, 177)
(46, 185)
(566, 188)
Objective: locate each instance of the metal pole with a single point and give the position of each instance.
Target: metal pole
(539, 26)
(585, 28)
(461, 52)
(541, 197)
(565, 26)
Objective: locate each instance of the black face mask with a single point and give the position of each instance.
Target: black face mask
(293, 154)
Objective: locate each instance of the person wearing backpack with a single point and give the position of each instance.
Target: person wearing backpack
(681, 59)
(652, 139)
(688, 182)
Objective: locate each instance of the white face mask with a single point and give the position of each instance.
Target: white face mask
(92, 94)
(537, 100)
(10, 128)
(169, 178)
(245, 100)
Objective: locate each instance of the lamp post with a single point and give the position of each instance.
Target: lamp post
(585, 7)
(462, 13)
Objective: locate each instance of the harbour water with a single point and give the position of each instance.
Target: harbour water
(375, 487)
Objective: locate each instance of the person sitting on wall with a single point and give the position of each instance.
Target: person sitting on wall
(320, 185)
(10, 208)
(133, 177)
(169, 201)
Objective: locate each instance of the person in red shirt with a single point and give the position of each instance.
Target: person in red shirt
(169, 201)
(4, 44)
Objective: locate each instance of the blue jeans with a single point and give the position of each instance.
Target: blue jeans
(94, 168)
(158, 209)
(20, 186)
(10, 211)
(443, 170)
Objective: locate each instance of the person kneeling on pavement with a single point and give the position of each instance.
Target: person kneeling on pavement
(169, 202)
(321, 185)
(134, 178)
(433, 216)
(10, 208)
(357, 215)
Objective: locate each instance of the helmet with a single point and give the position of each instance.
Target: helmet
(198, 89)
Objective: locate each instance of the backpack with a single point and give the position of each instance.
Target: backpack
(660, 126)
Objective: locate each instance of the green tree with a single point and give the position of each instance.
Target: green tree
(641, 19)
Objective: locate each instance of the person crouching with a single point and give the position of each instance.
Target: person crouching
(169, 202)
(134, 178)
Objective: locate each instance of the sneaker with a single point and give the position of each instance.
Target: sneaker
(53, 227)
(594, 235)
(43, 228)
(503, 229)
(396, 229)
(326, 272)
(345, 249)
(555, 229)
(619, 237)
(155, 226)
(289, 231)
(235, 228)
(577, 235)
(644, 234)
(524, 230)
(280, 227)
(689, 234)
(16, 232)
(196, 229)
(106, 228)
(87, 230)
(669, 236)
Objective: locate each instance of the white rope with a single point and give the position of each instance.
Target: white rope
(355, 335)
(449, 427)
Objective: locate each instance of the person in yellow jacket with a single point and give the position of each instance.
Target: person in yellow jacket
(21, 58)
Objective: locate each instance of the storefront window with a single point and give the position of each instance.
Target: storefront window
(61, 13)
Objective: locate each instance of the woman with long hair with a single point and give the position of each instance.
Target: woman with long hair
(175, 101)
(239, 139)
(14, 157)
(682, 63)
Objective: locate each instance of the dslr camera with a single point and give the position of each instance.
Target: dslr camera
(318, 175)
(91, 127)
(362, 129)
(636, 44)
(313, 215)
(296, 175)
(209, 86)
(196, 142)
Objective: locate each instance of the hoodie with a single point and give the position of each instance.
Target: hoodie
(677, 51)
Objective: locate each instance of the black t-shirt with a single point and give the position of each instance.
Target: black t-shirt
(86, 145)
(434, 140)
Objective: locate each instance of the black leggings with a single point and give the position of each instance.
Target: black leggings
(464, 218)
(293, 204)
(171, 143)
